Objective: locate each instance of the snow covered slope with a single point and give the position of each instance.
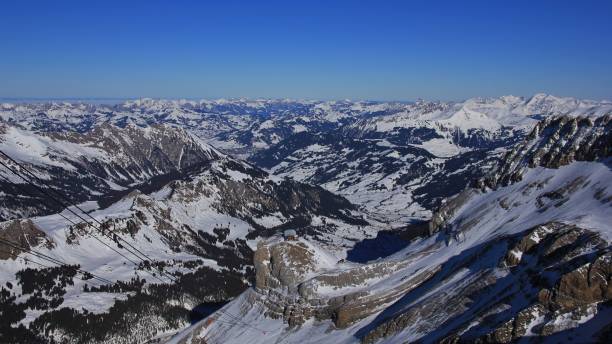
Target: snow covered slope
(197, 225)
(102, 162)
(519, 259)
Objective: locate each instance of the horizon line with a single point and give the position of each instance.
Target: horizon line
(28, 100)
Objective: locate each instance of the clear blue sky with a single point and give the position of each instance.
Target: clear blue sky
(382, 50)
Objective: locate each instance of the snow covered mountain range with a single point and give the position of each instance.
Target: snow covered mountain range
(529, 260)
(488, 218)
(373, 137)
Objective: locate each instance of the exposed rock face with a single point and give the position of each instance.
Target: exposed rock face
(554, 142)
(448, 209)
(140, 151)
(261, 261)
(585, 285)
(517, 327)
(282, 265)
(24, 234)
(353, 310)
(560, 272)
(583, 280)
(288, 288)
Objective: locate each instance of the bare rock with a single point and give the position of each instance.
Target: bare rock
(23, 233)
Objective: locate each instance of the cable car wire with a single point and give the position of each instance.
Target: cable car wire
(77, 215)
(51, 259)
(115, 236)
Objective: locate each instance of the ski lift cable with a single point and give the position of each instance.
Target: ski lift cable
(69, 220)
(67, 200)
(50, 259)
(57, 262)
(230, 319)
(74, 223)
(238, 320)
(62, 205)
(16, 256)
(234, 323)
(47, 266)
(79, 208)
(77, 215)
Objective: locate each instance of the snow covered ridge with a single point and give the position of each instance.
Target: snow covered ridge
(102, 162)
(554, 142)
(530, 259)
(241, 125)
(195, 212)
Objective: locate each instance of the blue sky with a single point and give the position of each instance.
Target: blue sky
(380, 50)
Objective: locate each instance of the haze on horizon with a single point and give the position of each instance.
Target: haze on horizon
(392, 50)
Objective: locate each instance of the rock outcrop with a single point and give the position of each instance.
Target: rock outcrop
(290, 279)
(448, 208)
(20, 233)
(560, 272)
(554, 142)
